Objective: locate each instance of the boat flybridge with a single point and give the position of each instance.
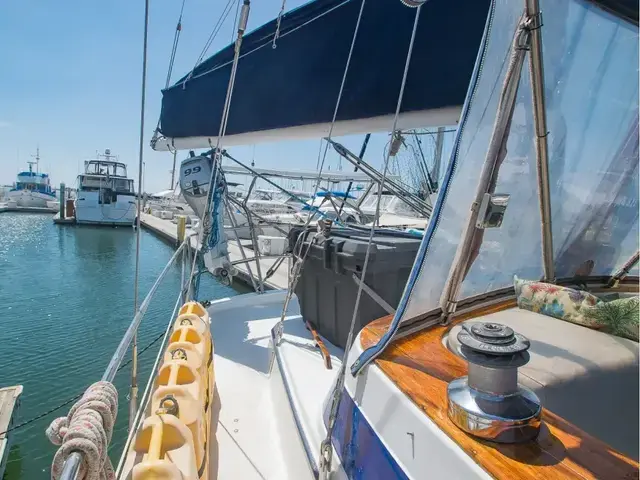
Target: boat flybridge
(513, 351)
(105, 194)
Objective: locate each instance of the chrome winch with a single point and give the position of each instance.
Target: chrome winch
(489, 403)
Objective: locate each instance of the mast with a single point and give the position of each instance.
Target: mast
(173, 171)
(438, 153)
(37, 162)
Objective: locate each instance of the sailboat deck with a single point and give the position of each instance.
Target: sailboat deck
(421, 367)
(256, 433)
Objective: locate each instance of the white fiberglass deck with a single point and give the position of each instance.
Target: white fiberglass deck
(256, 432)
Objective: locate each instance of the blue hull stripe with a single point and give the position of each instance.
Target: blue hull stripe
(362, 453)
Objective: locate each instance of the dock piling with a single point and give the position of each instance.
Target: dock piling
(62, 201)
(181, 229)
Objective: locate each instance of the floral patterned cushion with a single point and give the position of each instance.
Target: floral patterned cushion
(559, 302)
(620, 317)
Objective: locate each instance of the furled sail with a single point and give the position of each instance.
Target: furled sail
(291, 91)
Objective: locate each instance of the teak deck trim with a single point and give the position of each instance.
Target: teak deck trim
(421, 367)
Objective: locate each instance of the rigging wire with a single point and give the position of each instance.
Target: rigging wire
(235, 20)
(216, 160)
(363, 149)
(297, 266)
(278, 22)
(422, 165)
(172, 57)
(134, 346)
(212, 36)
(326, 449)
(428, 132)
(214, 33)
(268, 42)
(174, 48)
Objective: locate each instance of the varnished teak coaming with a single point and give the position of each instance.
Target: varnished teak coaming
(421, 367)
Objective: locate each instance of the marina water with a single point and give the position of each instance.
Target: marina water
(66, 299)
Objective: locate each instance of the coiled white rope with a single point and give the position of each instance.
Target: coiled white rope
(87, 428)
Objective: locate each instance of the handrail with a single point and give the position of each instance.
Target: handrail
(147, 390)
(72, 463)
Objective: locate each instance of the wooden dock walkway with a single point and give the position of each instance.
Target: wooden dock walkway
(168, 231)
(9, 399)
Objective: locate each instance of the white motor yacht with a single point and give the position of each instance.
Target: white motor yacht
(105, 195)
(32, 189)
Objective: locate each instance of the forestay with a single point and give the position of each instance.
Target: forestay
(592, 109)
(290, 91)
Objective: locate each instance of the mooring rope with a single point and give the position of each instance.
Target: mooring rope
(87, 428)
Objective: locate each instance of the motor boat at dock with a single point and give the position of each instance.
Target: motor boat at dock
(32, 188)
(105, 195)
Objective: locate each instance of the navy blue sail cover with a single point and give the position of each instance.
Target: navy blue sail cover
(298, 82)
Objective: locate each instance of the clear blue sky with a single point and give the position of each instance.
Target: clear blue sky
(70, 83)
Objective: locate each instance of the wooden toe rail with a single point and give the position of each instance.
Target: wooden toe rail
(421, 367)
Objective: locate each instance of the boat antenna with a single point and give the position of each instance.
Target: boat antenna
(37, 162)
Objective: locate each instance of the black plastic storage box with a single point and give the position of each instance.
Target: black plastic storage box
(327, 291)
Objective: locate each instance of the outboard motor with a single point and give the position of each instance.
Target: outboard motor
(195, 175)
(489, 403)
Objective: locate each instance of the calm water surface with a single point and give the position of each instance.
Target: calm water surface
(66, 298)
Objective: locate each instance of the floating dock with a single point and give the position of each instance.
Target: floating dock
(9, 399)
(168, 231)
(64, 221)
